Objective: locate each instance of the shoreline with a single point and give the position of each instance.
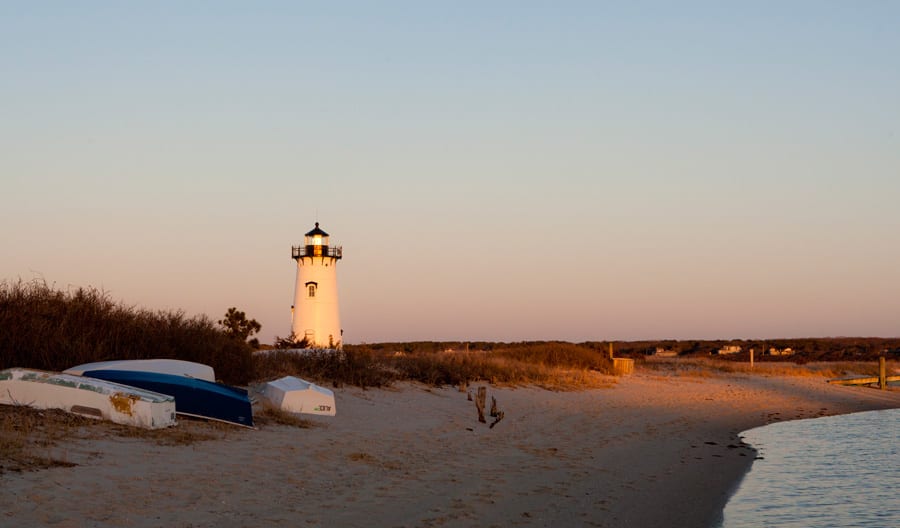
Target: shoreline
(653, 450)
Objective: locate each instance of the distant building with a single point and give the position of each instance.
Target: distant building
(729, 349)
(664, 352)
(783, 352)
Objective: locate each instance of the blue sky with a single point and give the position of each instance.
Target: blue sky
(494, 170)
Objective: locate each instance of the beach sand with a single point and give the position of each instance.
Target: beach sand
(650, 451)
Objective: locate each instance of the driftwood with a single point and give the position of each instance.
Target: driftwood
(480, 397)
(496, 414)
(479, 403)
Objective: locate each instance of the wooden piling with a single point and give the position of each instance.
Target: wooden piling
(882, 373)
(480, 397)
(751, 359)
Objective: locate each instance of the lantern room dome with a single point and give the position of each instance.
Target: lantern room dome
(317, 231)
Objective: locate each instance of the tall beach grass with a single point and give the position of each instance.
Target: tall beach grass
(556, 365)
(707, 367)
(49, 329)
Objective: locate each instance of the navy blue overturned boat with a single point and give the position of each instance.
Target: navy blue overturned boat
(193, 397)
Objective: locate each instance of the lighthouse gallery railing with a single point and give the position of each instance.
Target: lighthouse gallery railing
(316, 251)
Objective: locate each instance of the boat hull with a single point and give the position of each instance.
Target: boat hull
(175, 367)
(193, 397)
(87, 397)
(299, 396)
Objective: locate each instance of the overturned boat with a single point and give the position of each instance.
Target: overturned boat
(87, 397)
(176, 367)
(193, 397)
(299, 396)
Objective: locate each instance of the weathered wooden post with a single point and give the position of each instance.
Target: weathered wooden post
(751, 359)
(479, 403)
(882, 373)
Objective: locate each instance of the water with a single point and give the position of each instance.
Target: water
(836, 471)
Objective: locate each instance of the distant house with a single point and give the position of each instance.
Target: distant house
(729, 349)
(784, 352)
(664, 352)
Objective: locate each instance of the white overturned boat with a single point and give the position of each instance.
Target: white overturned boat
(299, 396)
(175, 367)
(87, 396)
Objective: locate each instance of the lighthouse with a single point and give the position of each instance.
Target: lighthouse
(314, 315)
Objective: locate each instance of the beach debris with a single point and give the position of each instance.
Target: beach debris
(495, 412)
(499, 417)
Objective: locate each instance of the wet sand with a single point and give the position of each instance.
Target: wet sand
(650, 451)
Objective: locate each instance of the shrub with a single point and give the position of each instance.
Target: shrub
(49, 329)
(555, 364)
(338, 367)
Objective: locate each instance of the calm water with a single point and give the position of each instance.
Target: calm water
(835, 471)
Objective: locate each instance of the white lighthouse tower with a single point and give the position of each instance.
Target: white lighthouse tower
(315, 315)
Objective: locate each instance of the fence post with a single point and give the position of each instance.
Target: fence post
(882, 373)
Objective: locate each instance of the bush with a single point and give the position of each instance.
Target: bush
(360, 367)
(553, 364)
(53, 330)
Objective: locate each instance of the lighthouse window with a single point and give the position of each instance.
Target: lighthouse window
(312, 290)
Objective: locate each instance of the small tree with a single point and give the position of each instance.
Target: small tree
(237, 325)
(291, 342)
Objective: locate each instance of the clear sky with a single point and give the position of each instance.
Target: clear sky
(493, 170)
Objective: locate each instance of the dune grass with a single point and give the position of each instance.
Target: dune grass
(551, 365)
(707, 367)
(49, 329)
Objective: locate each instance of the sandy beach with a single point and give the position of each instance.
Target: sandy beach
(650, 451)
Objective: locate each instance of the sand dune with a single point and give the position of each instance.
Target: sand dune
(651, 451)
